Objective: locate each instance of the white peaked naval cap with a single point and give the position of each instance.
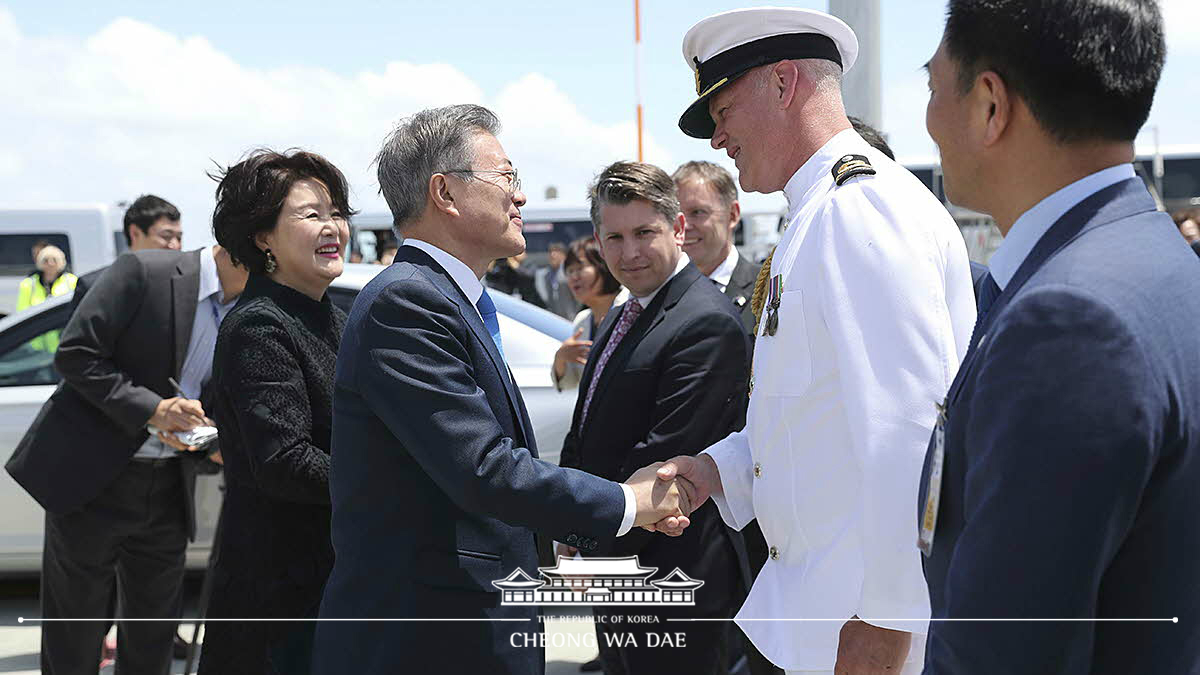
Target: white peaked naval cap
(724, 46)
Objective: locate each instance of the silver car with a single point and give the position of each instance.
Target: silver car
(27, 378)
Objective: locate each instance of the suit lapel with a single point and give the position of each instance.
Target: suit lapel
(1116, 202)
(650, 319)
(185, 286)
(741, 282)
(470, 316)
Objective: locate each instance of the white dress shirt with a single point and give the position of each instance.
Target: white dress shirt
(1033, 224)
(471, 286)
(875, 316)
(724, 271)
(462, 275)
(211, 308)
(645, 300)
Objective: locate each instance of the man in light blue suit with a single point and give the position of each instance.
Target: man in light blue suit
(1063, 480)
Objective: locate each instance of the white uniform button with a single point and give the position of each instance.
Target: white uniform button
(757, 470)
(774, 553)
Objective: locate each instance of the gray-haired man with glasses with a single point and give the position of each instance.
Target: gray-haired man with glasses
(436, 484)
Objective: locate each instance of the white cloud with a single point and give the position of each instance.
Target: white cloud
(136, 109)
(554, 143)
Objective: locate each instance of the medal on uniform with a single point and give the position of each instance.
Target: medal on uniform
(934, 493)
(774, 298)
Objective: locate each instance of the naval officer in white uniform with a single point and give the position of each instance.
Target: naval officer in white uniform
(867, 309)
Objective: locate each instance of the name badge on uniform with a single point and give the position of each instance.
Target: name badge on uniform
(934, 493)
(774, 298)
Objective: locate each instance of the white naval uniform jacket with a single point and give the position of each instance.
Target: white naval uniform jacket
(876, 313)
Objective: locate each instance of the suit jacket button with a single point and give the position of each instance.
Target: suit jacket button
(572, 539)
(757, 470)
(774, 553)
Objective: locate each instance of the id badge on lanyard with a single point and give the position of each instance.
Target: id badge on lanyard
(934, 493)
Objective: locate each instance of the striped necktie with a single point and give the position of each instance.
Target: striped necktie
(629, 313)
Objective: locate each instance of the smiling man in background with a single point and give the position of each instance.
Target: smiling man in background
(709, 199)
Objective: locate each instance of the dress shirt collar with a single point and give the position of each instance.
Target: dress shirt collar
(210, 281)
(724, 271)
(809, 177)
(1033, 224)
(683, 262)
(462, 275)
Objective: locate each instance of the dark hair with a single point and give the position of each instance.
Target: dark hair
(251, 193)
(872, 136)
(585, 251)
(1087, 69)
(145, 211)
(713, 174)
(1180, 215)
(623, 182)
(556, 246)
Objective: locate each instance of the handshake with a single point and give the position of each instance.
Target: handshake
(668, 492)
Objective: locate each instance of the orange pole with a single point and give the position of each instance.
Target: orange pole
(637, 71)
(639, 125)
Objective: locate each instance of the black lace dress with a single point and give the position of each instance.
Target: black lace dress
(273, 372)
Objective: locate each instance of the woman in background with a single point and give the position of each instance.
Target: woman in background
(595, 287)
(285, 217)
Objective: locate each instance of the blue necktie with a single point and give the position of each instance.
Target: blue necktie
(487, 310)
(988, 293)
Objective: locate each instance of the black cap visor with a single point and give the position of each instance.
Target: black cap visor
(696, 122)
(724, 68)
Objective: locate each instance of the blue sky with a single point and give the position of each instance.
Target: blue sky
(124, 97)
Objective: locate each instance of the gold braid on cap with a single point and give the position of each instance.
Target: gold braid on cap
(759, 299)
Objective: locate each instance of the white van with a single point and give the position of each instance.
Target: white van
(91, 235)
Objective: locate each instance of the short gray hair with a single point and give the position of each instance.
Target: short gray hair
(708, 172)
(433, 140)
(825, 75)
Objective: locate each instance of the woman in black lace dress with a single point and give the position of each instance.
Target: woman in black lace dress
(283, 216)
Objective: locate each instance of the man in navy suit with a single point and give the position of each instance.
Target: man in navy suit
(436, 484)
(1062, 482)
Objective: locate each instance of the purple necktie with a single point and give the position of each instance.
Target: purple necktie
(629, 313)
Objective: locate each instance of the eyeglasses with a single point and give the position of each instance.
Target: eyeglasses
(514, 181)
